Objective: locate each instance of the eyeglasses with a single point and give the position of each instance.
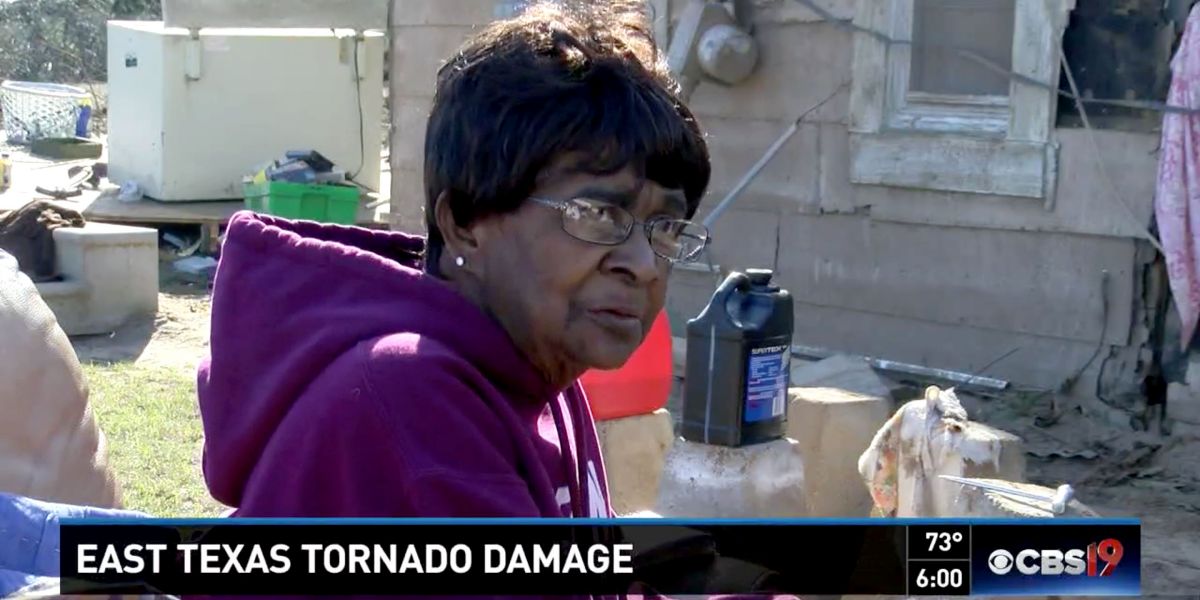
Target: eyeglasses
(605, 223)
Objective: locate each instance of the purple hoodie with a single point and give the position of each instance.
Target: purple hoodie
(345, 382)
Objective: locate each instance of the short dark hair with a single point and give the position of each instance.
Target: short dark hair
(586, 77)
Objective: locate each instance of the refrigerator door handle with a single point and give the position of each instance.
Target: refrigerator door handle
(193, 55)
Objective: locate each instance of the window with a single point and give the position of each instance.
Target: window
(937, 87)
(983, 27)
(942, 113)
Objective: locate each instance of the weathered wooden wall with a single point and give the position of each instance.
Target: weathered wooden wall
(942, 279)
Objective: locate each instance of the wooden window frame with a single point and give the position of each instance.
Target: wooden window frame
(974, 144)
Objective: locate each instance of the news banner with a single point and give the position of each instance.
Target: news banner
(1062, 557)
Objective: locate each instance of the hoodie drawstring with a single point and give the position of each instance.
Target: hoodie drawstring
(568, 457)
(584, 468)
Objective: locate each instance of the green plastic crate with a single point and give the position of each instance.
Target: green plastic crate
(310, 202)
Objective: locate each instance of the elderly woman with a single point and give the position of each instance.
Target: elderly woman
(358, 373)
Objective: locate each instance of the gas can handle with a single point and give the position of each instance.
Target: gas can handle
(736, 281)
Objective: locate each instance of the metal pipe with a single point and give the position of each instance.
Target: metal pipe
(1058, 502)
(910, 369)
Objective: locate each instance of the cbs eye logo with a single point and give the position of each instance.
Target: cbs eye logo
(1058, 562)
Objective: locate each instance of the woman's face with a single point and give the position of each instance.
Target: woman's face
(572, 305)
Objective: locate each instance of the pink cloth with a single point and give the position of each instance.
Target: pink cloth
(1177, 199)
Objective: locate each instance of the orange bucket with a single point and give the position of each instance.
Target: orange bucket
(641, 386)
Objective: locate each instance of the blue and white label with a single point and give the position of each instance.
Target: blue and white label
(767, 382)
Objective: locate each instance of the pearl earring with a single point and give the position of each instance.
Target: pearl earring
(460, 261)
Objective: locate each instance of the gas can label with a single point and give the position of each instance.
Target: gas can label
(766, 382)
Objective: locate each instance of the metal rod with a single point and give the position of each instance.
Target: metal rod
(910, 369)
(1058, 501)
(1000, 489)
(764, 160)
(751, 174)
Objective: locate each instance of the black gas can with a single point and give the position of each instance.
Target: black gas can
(738, 359)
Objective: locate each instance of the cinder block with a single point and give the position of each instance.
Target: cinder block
(833, 427)
(110, 275)
(762, 480)
(69, 301)
(1010, 456)
(635, 449)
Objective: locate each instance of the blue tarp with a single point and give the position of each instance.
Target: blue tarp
(29, 538)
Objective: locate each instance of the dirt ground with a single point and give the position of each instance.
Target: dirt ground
(177, 337)
(1115, 470)
(1120, 472)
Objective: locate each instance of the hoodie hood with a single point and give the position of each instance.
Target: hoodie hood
(290, 297)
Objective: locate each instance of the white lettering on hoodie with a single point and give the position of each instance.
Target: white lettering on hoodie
(597, 507)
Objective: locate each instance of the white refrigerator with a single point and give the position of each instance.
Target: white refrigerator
(190, 112)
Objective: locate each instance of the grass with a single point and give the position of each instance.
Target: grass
(150, 418)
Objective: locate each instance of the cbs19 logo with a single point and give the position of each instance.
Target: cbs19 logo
(1098, 560)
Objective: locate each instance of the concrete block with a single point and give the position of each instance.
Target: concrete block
(833, 427)
(635, 449)
(110, 275)
(70, 302)
(842, 372)
(799, 66)
(763, 480)
(1009, 455)
(973, 502)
